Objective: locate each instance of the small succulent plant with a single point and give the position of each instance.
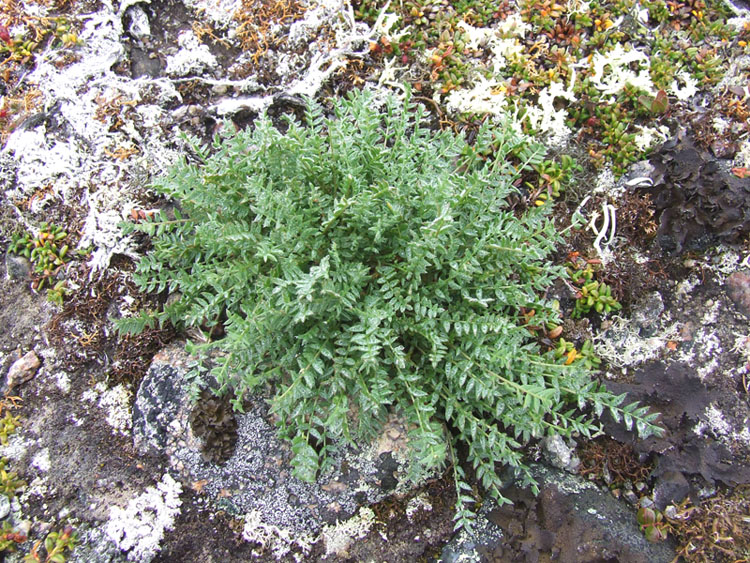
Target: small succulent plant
(652, 524)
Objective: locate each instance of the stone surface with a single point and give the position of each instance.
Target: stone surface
(738, 289)
(4, 506)
(570, 521)
(671, 487)
(22, 370)
(257, 476)
(559, 454)
(17, 267)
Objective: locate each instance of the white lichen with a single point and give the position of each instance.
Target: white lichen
(485, 97)
(139, 529)
(613, 71)
(714, 422)
(41, 460)
(338, 538)
(278, 541)
(623, 346)
(417, 504)
(687, 90)
(649, 136)
(116, 404)
(62, 380)
(193, 57)
(221, 13)
(548, 121)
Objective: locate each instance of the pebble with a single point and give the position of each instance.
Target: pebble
(22, 370)
(558, 454)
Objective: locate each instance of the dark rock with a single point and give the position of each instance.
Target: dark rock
(387, 472)
(571, 521)
(18, 268)
(738, 289)
(143, 63)
(671, 487)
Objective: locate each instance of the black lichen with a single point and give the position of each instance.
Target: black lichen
(214, 423)
(698, 200)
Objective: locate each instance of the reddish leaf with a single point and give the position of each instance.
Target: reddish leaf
(5, 35)
(660, 103)
(741, 172)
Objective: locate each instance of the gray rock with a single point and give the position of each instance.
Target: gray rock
(4, 506)
(557, 453)
(670, 488)
(138, 24)
(257, 476)
(646, 312)
(738, 288)
(18, 268)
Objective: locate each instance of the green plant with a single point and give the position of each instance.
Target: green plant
(652, 524)
(57, 293)
(586, 356)
(55, 546)
(9, 481)
(591, 294)
(9, 538)
(8, 425)
(47, 251)
(363, 263)
(552, 177)
(22, 50)
(656, 105)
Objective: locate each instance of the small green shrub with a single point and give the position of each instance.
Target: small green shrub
(363, 263)
(47, 251)
(54, 547)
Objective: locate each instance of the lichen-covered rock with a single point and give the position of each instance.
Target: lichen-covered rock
(17, 267)
(559, 454)
(256, 479)
(571, 520)
(139, 528)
